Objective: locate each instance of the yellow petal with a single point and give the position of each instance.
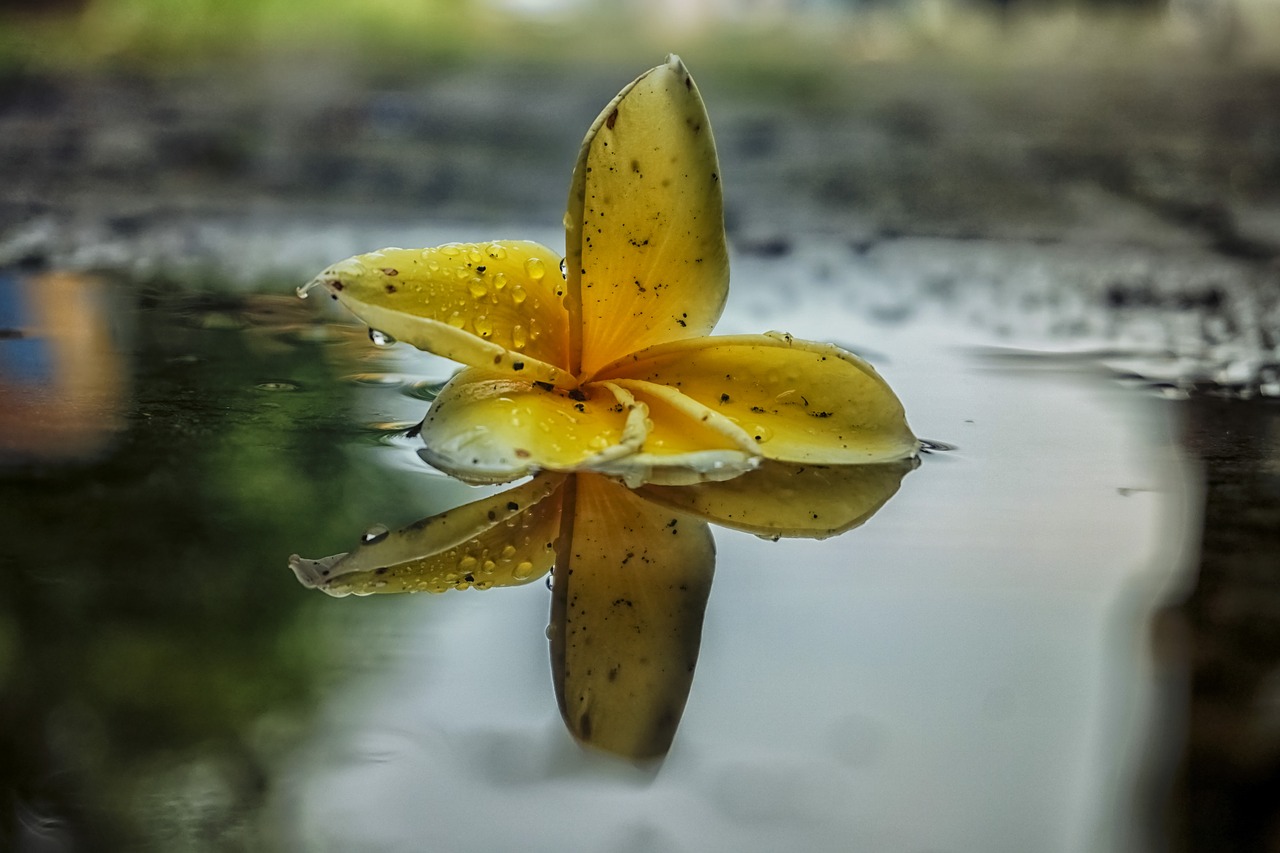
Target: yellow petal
(484, 429)
(505, 539)
(493, 305)
(646, 257)
(785, 499)
(799, 401)
(686, 442)
(631, 585)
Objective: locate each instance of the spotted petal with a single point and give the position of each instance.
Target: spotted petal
(799, 401)
(630, 587)
(645, 247)
(785, 499)
(488, 429)
(501, 540)
(492, 305)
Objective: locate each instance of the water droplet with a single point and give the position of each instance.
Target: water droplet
(518, 337)
(488, 566)
(457, 320)
(496, 252)
(535, 268)
(550, 581)
(499, 280)
(551, 629)
(478, 290)
(564, 268)
(522, 570)
(484, 326)
(927, 446)
(535, 330)
(449, 250)
(483, 584)
(760, 433)
(278, 385)
(517, 294)
(468, 563)
(374, 534)
(380, 339)
(508, 552)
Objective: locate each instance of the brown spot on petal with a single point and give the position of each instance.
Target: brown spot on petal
(391, 271)
(612, 119)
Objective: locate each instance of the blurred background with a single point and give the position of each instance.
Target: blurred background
(1049, 186)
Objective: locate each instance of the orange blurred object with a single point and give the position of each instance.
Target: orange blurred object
(63, 382)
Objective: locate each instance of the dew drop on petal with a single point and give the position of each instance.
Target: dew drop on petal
(499, 280)
(457, 320)
(508, 552)
(484, 326)
(467, 563)
(760, 433)
(535, 268)
(517, 294)
(564, 267)
(450, 251)
(496, 252)
(478, 289)
(374, 534)
(523, 569)
(518, 337)
(380, 339)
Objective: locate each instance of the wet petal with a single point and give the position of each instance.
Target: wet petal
(687, 442)
(785, 499)
(631, 586)
(491, 305)
(485, 429)
(505, 539)
(645, 243)
(799, 401)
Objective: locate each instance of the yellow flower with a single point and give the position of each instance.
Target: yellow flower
(632, 571)
(601, 362)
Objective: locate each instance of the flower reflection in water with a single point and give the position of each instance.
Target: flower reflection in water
(636, 427)
(631, 572)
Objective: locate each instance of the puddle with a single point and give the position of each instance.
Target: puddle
(975, 668)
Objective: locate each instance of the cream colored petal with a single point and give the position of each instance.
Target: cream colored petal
(502, 540)
(645, 246)
(786, 499)
(686, 442)
(494, 305)
(799, 401)
(630, 587)
(483, 429)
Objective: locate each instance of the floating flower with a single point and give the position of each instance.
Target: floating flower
(601, 362)
(595, 374)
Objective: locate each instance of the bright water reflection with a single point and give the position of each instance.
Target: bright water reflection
(969, 671)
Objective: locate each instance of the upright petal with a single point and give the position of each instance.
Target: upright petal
(645, 247)
(785, 499)
(487, 429)
(493, 305)
(505, 539)
(799, 401)
(630, 587)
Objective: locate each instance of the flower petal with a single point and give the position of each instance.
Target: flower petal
(630, 587)
(505, 539)
(800, 401)
(486, 429)
(645, 246)
(686, 442)
(785, 499)
(491, 305)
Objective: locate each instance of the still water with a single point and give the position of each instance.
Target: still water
(973, 669)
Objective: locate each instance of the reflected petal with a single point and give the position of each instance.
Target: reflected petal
(631, 586)
(800, 401)
(505, 539)
(645, 242)
(484, 429)
(785, 499)
(491, 305)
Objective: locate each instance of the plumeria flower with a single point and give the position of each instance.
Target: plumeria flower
(638, 429)
(608, 367)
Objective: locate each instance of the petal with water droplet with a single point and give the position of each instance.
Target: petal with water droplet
(631, 586)
(786, 499)
(645, 247)
(488, 429)
(799, 401)
(505, 539)
(447, 301)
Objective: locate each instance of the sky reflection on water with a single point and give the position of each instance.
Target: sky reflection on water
(969, 671)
